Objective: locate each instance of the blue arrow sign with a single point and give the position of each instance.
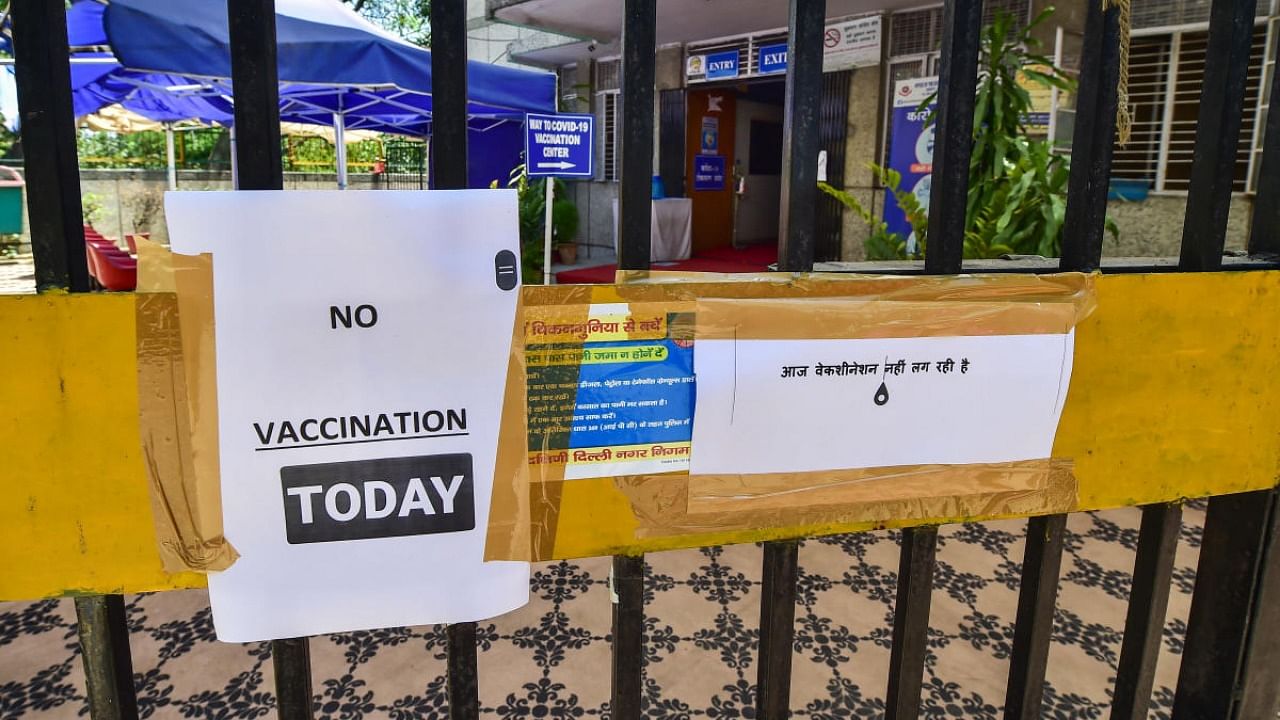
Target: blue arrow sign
(559, 145)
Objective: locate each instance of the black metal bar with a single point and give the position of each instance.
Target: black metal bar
(1148, 602)
(797, 226)
(252, 25)
(1034, 626)
(911, 622)
(104, 650)
(256, 91)
(291, 660)
(449, 172)
(1264, 233)
(797, 231)
(635, 193)
(1235, 528)
(627, 671)
(1260, 681)
(464, 685)
(777, 629)
(449, 93)
(1221, 103)
(1093, 140)
(43, 73)
(953, 138)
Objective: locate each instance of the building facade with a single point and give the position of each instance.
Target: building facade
(721, 84)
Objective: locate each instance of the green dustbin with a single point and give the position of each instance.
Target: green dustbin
(11, 185)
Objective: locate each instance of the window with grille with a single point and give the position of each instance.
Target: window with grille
(1169, 13)
(609, 136)
(607, 72)
(916, 32)
(1166, 72)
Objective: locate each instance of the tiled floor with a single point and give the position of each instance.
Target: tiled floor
(551, 658)
(17, 276)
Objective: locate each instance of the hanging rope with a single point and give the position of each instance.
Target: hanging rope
(1124, 120)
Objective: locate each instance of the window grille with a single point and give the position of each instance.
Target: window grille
(609, 137)
(1166, 75)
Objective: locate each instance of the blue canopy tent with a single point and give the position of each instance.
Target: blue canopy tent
(169, 60)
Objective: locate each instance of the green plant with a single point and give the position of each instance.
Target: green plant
(91, 207)
(1017, 185)
(532, 215)
(880, 243)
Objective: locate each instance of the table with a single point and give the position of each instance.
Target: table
(670, 230)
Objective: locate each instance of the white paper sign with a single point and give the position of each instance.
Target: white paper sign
(362, 347)
(806, 405)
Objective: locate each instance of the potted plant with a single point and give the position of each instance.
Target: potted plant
(564, 227)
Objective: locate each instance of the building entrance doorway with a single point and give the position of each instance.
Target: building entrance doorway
(734, 163)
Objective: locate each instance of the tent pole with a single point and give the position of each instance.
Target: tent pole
(235, 165)
(546, 249)
(340, 146)
(170, 156)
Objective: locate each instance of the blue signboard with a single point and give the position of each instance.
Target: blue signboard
(910, 152)
(772, 59)
(708, 172)
(559, 145)
(722, 65)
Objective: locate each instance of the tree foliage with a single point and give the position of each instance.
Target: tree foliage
(410, 19)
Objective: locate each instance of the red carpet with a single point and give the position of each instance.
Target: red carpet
(756, 258)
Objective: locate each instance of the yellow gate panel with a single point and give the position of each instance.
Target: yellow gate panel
(1172, 396)
(74, 511)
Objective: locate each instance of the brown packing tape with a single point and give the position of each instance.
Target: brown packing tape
(177, 405)
(791, 306)
(678, 505)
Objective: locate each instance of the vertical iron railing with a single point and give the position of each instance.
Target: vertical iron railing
(449, 170)
(797, 234)
(953, 145)
(254, 81)
(1082, 234)
(635, 198)
(43, 74)
(1233, 635)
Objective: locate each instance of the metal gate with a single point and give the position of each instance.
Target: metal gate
(406, 165)
(1231, 660)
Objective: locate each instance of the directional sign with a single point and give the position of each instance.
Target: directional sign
(559, 145)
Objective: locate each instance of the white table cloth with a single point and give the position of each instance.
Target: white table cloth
(671, 229)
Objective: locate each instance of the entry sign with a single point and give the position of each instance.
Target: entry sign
(559, 145)
(359, 399)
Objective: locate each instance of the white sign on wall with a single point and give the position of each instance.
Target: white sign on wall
(850, 44)
(362, 347)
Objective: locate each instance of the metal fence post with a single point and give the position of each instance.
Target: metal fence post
(256, 91)
(797, 236)
(449, 172)
(953, 138)
(1236, 526)
(1082, 234)
(953, 145)
(43, 74)
(635, 192)
(42, 69)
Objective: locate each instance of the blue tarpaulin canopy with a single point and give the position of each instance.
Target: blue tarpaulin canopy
(172, 61)
(169, 60)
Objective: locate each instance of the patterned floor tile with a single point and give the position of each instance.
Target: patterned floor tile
(551, 659)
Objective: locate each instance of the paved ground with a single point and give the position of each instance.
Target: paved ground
(551, 659)
(17, 276)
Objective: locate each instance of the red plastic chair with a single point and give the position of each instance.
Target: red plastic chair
(117, 273)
